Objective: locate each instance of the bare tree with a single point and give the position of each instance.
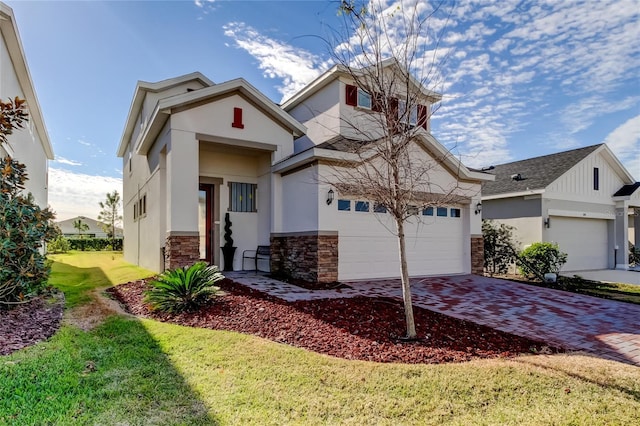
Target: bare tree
(391, 55)
(110, 215)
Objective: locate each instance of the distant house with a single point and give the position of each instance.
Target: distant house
(31, 145)
(584, 200)
(193, 150)
(96, 228)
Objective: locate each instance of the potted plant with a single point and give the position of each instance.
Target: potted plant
(228, 250)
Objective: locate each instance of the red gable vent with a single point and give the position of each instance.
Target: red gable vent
(237, 118)
(351, 95)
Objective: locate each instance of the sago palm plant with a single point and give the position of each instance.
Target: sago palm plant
(184, 289)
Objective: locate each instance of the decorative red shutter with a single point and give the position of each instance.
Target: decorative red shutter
(351, 95)
(393, 116)
(237, 118)
(422, 116)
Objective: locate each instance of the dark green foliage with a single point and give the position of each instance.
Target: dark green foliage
(499, 247)
(59, 245)
(95, 244)
(541, 258)
(228, 241)
(110, 215)
(184, 289)
(24, 228)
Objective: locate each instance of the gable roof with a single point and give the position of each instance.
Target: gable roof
(11, 36)
(142, 88)
(340, 70)
(535, 173)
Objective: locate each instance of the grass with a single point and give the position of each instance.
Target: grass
(130, 371)
(78, 273)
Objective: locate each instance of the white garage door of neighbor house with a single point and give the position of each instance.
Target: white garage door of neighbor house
(584, 240)
(368, 249)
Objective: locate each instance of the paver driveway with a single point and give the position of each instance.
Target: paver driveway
(602, 327)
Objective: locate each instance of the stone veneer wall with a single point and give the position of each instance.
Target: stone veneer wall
(181, 250)
(477, 255)
(306, 256)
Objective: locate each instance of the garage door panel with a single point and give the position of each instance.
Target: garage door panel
(368, 249)
(584, 240)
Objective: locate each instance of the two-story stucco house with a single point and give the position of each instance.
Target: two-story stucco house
(30, 145)
(194, 150)
(583, 199)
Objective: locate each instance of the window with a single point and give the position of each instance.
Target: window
(596, 178)
(410, 117)
(355, 96)
(242, 197)
(412, 210)
(344, 205)
(428, 211)
(379, 208)
(364, 99)
(455, 212)
(362, 206)
(442, 211)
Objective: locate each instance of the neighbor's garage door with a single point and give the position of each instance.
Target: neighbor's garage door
(584, 240)
(367, 248)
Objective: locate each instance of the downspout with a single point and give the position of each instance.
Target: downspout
(138, 227)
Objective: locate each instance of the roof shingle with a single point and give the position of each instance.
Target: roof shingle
(536, 173)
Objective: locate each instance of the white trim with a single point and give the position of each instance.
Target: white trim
(583, 215)
(512, 194)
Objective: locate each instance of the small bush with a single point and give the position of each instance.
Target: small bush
(499, 247)
(95, 244)
(59, 245)
(541, 258)
(184, 289)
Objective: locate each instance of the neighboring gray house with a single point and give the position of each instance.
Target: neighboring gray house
(96, 228)
(584, 200)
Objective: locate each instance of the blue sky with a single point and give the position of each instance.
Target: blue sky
(522, 79)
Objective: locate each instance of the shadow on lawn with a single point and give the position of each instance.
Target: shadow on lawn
(603, 384)
(118, 370)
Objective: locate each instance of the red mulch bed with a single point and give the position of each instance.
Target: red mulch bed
(352, 328)
(27, 324)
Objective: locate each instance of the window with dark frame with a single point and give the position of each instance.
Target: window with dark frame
(596, 179)
(454, 212)
(441, 211)
(242, 197)
(379, 208)
(362, 206)
(344, 205)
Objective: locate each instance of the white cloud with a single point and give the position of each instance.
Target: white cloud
(296, 67)
(72, 194)
(624, 141)
(66, 161)
(83, 142)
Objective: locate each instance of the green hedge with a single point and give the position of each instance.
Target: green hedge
(95, 244)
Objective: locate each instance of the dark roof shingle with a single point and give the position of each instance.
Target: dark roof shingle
(627, 190)
(536, 173)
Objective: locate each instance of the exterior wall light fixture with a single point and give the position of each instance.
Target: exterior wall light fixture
(330, 197)
(478, 208)
(547, 223)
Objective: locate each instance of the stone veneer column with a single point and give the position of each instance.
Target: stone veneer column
(477, 254)
(181, 250)
(307, 256)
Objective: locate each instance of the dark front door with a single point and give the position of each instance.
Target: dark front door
(205, 223)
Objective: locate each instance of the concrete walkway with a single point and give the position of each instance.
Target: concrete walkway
(609, 276)
(601, 327)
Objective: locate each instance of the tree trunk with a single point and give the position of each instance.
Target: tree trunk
(406, 285)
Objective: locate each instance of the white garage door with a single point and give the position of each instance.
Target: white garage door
(584, 240)
(368, 249)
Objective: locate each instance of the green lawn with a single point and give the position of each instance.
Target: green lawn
(146, 372)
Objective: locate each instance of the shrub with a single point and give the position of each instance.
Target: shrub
(59, 245)
(184, 289)
(499, 247)
(541, 258)
(25, 228)
(95, 244)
